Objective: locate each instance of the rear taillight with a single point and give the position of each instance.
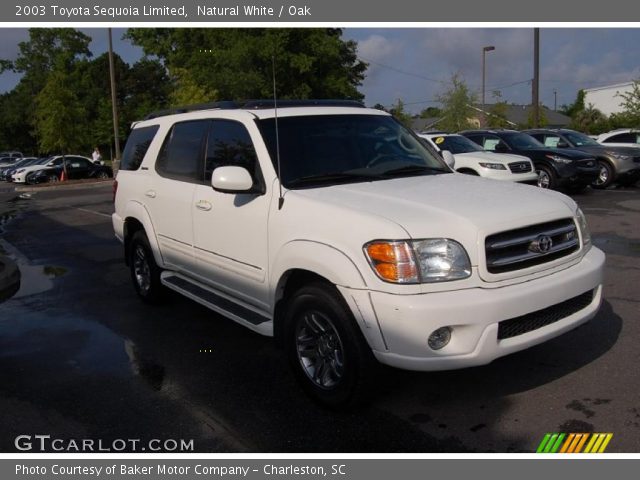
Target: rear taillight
(115, 190)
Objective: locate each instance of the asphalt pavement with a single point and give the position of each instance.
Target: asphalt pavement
(82, 357)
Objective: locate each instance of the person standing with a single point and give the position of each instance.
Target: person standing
(97, 158)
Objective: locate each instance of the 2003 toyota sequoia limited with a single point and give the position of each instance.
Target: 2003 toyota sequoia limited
(333, 228)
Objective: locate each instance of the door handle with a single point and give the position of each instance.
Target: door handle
(150, 193)
(203, 205)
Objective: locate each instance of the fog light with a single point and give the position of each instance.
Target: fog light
(439, 338)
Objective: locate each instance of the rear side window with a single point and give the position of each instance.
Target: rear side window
(137, 146)
(622, 138)
(181, 154)
(229, 144)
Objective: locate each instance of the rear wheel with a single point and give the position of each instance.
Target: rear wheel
(53, 179)
(605, 175)
(326, 349)
(145, 273)
(546, 178)
(102, 175)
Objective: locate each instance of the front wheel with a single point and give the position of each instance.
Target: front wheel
(605, 175)
(145, 273)
(326, 349)
(102, 175)
(546, 178)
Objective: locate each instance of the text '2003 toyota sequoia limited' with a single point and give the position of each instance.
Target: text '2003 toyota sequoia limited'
(336, 230)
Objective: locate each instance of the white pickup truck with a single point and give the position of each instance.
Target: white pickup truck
(335, 229)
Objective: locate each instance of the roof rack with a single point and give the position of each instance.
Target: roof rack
(227, 105)
(260, 104)
(254, 105)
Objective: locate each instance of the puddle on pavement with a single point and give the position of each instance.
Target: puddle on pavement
(617, 245)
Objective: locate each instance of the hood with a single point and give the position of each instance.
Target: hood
(571, 153)
(486, 156)
(455, 206)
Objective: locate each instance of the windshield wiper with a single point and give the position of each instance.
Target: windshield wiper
(412, 169)
(337, 177)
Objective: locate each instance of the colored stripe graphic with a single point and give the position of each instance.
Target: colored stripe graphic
(574, 443)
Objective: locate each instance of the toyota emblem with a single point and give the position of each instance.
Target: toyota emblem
(542, 244)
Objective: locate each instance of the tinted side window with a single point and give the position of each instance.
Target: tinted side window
(475, 138)
(229, 143)
(622, 138)
(137, 146)
(181, 154)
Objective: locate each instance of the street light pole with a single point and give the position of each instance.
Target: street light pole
(555, 100)
(486, 49)
(536, 78)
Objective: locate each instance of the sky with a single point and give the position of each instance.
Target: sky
(416, 64)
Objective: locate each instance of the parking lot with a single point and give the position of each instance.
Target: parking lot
(82, 357)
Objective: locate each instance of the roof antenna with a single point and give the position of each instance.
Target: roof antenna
(275, 108)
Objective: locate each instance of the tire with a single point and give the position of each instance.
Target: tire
(606, 175)
(547, 178)
(102, 175)
(326, 349)
(52, 179)
(145, 273)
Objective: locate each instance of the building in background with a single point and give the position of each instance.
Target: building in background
(607, 99)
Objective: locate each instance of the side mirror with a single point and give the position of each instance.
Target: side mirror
(231, 180)
(562, 144)
(449, 159)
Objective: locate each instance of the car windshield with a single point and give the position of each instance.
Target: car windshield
(522, 141)
(323, 150)
(456, 144)
(580, 139)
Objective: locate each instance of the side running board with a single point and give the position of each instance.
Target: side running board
(218, 303)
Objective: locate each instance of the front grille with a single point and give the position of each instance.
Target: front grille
(535, 320)
(530, 246)
(520, 167)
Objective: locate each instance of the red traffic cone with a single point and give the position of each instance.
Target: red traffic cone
(63, 177)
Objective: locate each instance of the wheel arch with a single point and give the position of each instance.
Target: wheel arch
(137, 218)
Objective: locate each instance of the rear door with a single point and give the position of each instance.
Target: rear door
(168, 195)
(78, 167)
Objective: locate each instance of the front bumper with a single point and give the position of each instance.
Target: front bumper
(578, 173)
(406, 321)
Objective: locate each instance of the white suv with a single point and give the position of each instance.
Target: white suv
(623, 137)
(336, 230)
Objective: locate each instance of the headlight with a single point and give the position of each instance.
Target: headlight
(557, 158)
(620, 156)
(418, 261)
(493, 166)
(581, 220)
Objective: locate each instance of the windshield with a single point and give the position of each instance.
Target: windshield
(329, 149)
(456, 144)
(522, 141)
(580, 139)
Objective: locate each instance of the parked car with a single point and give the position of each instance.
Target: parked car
(13, 154)
(77, 167)
(556, 167)
(623, 137)
(335, 229)
(472, 159)
(20, 174)
(617, 164)
(8, 161)
(7, 170)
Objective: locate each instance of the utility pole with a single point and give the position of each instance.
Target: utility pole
(114, 104)
(555, 100)
(535, 101)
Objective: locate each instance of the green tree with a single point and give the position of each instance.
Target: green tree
(238, 63)
(56, 116)
(590, 120)
(187, 91)
(631, 105)
(577, 106)
(457, 106)
(430, 112)
(398, 111)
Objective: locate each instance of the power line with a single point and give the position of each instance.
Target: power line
(404, 72)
